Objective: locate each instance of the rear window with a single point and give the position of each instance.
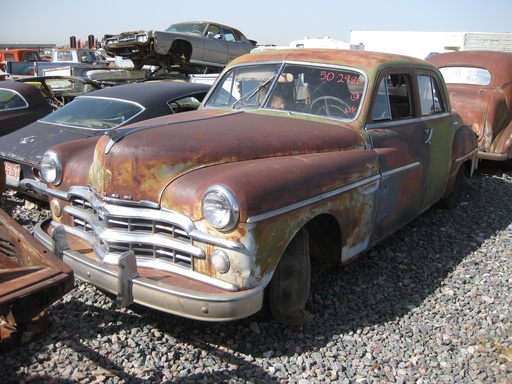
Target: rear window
(11, 100)
(94, 113)
(466, 75)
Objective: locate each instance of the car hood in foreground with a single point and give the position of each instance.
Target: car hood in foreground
(153, 153)
(28, 144)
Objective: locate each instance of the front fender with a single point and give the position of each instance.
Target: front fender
(76, 157)
(265, 186)
(278, 196)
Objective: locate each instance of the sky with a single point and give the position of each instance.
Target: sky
(266, 21)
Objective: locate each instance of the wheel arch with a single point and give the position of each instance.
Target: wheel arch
(325, 238)
(180, 46)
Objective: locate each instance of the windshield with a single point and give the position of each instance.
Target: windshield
(63, 86)
(294, 88)
(94, 113)
(197, 28)
(466, 75)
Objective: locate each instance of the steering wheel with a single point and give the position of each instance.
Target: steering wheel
(57, 101)
(175, 107)
(329, 106)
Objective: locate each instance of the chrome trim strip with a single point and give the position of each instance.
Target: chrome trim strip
(492, 156)
(467, 155)
(312, 200)
(165, 266)
(327, 195)
(112, 236)
(401, 169)
(142, 261)
(147, 214)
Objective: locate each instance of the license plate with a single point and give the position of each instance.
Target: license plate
(12, 171)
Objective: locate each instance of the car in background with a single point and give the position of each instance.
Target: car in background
(295, 156)
(91, 115)
(60, 90)
(191, 47)
(480, 88)
(32, 278)
(23, 101)
(20, 105)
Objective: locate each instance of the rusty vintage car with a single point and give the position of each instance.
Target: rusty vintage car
(480, 87)
(295, 156)
(192, 47)
(31, 279)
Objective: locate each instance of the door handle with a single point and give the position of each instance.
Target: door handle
(429, 132)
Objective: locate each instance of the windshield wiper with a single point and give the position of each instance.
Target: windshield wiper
(253, 92)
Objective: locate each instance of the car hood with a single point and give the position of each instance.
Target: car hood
(28, 144)
(141, 160)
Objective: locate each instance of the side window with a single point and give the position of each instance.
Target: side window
(381, 108)
(430, 96)
(228, 34)
(11, 100)
(393, 101)
(214, 31)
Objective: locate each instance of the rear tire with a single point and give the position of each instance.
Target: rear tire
(455, 196)
(289, 288)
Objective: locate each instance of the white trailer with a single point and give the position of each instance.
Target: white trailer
(421, 44)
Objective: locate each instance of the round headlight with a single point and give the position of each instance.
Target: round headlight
(220, 208)
(50, 168)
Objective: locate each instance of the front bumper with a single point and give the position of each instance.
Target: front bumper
(123, 280)
(29, 187)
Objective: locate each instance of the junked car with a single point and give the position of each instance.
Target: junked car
(295, 157)
(192, 47)
(60, 90)
(480, 87)
(20, 104)
(31, 279)
(23, 101)
(90, 115)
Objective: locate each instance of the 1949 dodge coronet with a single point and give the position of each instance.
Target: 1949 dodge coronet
(294, 155)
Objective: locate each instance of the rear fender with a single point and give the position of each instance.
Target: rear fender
(464, 151)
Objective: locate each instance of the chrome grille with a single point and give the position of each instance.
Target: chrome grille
(150, 233)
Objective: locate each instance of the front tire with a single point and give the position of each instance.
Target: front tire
(289, 288)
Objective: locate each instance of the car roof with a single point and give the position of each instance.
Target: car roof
(150, 91)
(371, 62)
(498, 63)
(28, 91)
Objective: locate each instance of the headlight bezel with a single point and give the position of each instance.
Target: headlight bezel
(142, 38)
(227, 214)
(50, 162)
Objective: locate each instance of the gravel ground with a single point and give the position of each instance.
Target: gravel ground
(432, 304)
